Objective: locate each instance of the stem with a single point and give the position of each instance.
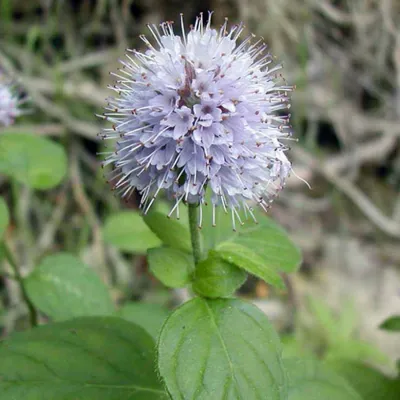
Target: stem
(194, 233)
(33, 315)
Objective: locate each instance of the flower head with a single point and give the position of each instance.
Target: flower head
(9, 104)
(199, 110)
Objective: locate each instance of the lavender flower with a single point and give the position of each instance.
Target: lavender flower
(199, 110)
(9, 104)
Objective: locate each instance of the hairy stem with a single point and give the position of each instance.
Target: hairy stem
(194, 232)
(33, 315)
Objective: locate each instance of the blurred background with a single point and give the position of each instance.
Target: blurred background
(344, 58)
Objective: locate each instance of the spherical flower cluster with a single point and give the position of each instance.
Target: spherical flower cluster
(9, 104)
(200, 111)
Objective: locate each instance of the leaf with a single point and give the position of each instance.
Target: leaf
(266, 239)
(246, 259)
(90, 358)
(223, 230)
(371, 384)
(171, 232)
(149, 316)
(32, 160)
(4, 217)
(357, 350)
(63, 287)
(347, 320)
(220, 349)
(337, 331)
(261, 249)
(172, 267)
(127, 231)
(325, 318)
(269, 242)
(391, 324)
(165, 207)
(293, 347)
(311, 380)
(216, 278)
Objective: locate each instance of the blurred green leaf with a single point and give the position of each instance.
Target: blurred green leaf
(6, 11)
(170, 231)
(246, 259)
(391, 324)
(216, 278)
(32, 37)
(221, 349)
(347, 320)
(324, 317)
(311, 380)
(337, 332)
(371, 384)
(149, 316)
(32, 160)
(172, 267)
(292, 347)
(4, 217)
(127, 231)
(63, 287)
(86, 358)
(357, 350)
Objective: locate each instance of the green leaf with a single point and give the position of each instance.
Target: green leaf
(347, 320)
(262, 249)
(391, 324)
(165, 207)
(246, 259)
(293, 347)
(371, 384)
(325, 318)
(4, 217)
(171, 266)
(89, 358)
(311, 380)
(266, 239)
(223, 230)
(337, 331)
(357, 350)
(128, 232)
(63, 287)
(32, 160)
(221, 349)
(269, 242)
(216, 278)
(149, 316)
(170, 231)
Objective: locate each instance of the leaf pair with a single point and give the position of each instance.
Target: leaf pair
(263, 250)
(218, 348)
(213, 349)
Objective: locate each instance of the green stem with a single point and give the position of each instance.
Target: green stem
(194, 232)
(18, 277)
